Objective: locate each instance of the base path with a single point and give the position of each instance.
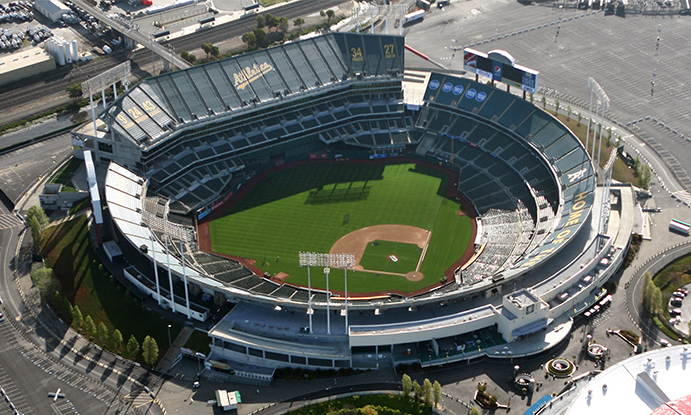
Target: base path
(356, 242)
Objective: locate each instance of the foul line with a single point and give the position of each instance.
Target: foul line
(424, 251)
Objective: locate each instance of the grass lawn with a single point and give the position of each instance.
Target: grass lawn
(64, 176)
(376, 257)
(403, 406)
(620, 171)
(199, 341)
(674, 275)
(303, 209)
(68, 251)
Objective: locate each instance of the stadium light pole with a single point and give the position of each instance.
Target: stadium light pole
(153, 252)
(309, 297)
(328, 302)
(345, 276)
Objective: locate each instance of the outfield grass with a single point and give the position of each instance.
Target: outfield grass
(303, 209)
(376, 257)
(67, 250)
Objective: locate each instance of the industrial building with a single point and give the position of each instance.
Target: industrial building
(25, 64)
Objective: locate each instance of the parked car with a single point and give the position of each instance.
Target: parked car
(675, 311)
(679, 294)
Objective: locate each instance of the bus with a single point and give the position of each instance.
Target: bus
(679, 227)
(414, 17)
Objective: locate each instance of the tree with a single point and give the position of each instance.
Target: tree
(260, 35)
(646, 280)
(580, 116)
(45, 281)
(57, 300)
(544, 102)
(37, 220)
(67, 310)
(150, 350)
(329, 15)
(556, 105)
(645, 176)
(436, 388)
(102, 333)
(322, 13)
(261, 22)
(648, 294)
(417, 389)
(407, 385)
(656, 301)
(77, 318)
(132, 347)
(283, 24)
(568, 113)
(427, 390)
(206, 47)
(74, 91)
(299, 22)
(188, 56)
(368, 410)
(474, 411)
(215, 51)
(89, 327)
(116, 339)
(271, 21)
(250, 39)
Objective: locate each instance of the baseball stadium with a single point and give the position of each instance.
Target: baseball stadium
(330, 207)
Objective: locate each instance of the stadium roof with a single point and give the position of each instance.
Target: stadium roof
(650, 382)
(152, 108)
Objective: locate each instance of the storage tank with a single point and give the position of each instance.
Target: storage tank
(55, 49)
(75, 51)
(68, 52)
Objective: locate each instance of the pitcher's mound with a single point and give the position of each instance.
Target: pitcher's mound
(414, 276)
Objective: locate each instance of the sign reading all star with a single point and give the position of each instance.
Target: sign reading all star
(250, 74)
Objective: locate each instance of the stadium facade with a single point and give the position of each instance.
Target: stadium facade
(181, 143)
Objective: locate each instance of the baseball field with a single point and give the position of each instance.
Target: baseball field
(397, 219)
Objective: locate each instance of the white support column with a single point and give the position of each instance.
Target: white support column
(93, 112)
(103, 98)
(158, 285)
(170, 279)
(184, 280)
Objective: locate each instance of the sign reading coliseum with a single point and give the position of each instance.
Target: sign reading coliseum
(251, 74)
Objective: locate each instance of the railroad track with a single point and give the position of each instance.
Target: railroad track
(59, 82)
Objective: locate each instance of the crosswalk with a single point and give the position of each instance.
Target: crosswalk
(684, 196)
(8, 220)
(138, 397)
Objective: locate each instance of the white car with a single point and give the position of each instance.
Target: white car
(665, 343)
(2, 317)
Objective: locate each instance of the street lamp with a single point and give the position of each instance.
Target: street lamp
(170, 343)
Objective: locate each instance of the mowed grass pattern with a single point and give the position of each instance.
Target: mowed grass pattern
(303, 208)
(376, 257)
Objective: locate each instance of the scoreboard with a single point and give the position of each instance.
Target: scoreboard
(504, 70)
